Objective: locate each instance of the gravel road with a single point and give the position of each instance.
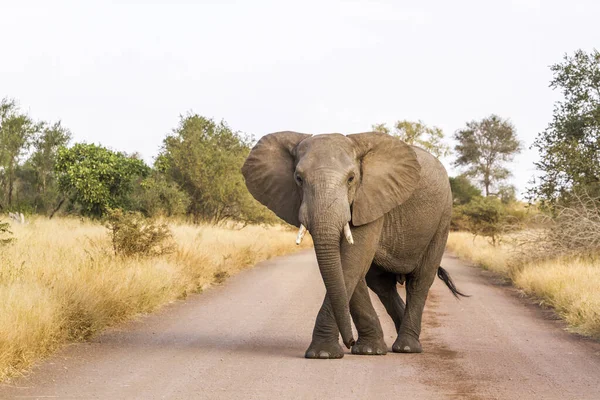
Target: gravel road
(246, 340)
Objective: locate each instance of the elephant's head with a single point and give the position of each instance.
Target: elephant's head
(325, 183)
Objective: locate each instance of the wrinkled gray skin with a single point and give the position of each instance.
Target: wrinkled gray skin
(398, 201)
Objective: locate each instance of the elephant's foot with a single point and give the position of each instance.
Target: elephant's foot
(407, 344)
(372, 347)
(324, 350)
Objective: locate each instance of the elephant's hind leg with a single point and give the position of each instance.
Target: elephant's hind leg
(383, 283)
(370, 334)
(417, 287)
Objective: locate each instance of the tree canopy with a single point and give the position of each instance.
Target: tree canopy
(419, 134)
(483, 147)
(205, 159)
(569, 147)
(17, 130)
(97, 178)
(197, 172)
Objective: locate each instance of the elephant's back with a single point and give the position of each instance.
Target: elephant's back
(409, 228)
(434, 185)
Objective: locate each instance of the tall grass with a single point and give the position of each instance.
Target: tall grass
(479, 251)
(60, 280)
(568, 284)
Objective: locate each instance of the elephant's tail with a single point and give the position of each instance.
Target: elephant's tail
(445, 276)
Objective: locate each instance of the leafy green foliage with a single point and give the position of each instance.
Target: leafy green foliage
(156, 196)
(463, 191)
(205, 158)
(28, 185)
(570, 146)
(17, 130)
(42, 162)
(419, 134)
(489, 217)
(197, 172)
(383, 128)
(97, 178)
(483, 148)
(483, 216)
(133, 235)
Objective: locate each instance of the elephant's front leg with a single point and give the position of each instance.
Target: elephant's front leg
(325, 343)
(356, 260)
(370, 334)
(325, 339)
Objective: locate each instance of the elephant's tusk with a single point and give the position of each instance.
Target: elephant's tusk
(348, 233)
(301, 233)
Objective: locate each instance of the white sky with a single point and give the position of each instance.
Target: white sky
(120, 73)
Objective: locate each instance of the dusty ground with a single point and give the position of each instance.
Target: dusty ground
(246, 340)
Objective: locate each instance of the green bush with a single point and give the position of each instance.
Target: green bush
(97, 178)
(463, 191)
(133, 235)
(156, 196)
(459, 221)
(486, 216)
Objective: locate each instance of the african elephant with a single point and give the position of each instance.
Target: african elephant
(378, 211)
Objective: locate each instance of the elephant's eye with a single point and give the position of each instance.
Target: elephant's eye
(350, 179)
(298, 179)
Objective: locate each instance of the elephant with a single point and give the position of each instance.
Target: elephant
(378, 211)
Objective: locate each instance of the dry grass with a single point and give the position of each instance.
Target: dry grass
(479, 251)
(60, 282)
(568, 284)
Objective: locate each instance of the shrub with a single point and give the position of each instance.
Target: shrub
(488, 217)
(463, 191)
(155, 196)
(484, 217)
(133, 235)
(97, 178)
(507, 194)
(459, 221)
(573, 230)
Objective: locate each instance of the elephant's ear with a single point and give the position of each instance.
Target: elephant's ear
(390, 173)
(269, 174)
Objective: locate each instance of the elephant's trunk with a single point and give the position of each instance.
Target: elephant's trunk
(327, 248)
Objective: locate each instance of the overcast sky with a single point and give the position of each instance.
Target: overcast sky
(120, 73)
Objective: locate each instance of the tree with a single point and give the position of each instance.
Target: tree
(570, 146)
(483, 148)
(463, 191)
(205, 158)
(43, 160)
(383, 128)
(16, 131)
(97, 178)
(46, 146)
(419, 134)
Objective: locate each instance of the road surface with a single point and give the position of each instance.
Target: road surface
(246, 340)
